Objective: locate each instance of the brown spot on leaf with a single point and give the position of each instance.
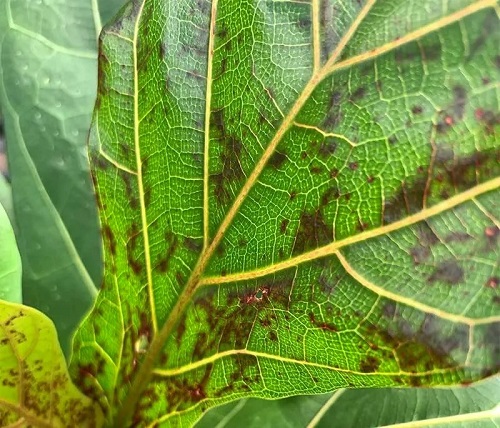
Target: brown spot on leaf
(369, 365)
(334, 113)
(449, 272)
(358, 94)
(457, 237)
(416, 110)
(277, 159)
(312, 232)
(132, 248)
(420, 254)
(171, 241)
(284, 225)
(109, 238)
(322, 324)
(193, 245)
(459, 101)
(232, 149)
(489, 119)
(327, 148)
(315, 169)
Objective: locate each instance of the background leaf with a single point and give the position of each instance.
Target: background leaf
(10, 262)
(291, 205)
(36, 389)
(47, 91)
(475, 405)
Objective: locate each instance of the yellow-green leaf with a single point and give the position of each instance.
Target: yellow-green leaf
(35, 388)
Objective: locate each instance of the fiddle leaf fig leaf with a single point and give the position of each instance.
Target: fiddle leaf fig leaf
(475, 405)
(35, 387)
(295, 197)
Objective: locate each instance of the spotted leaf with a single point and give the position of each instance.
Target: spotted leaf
(295, 196)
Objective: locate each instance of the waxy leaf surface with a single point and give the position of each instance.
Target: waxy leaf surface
(295, 196)
(475, 405)
(35, 387)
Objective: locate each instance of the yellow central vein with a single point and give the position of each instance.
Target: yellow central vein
(206, 164)
(211, 359)
(140, 183)
(316, 36)
(411, 302)
(360, 237)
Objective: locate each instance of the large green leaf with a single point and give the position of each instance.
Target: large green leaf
(295, 197)
(35, 388)
(48, 63)
(10, 262)
(476, 405)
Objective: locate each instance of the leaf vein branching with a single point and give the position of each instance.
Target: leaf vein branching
(411, 302)
(328, 134)
(117, 164)
(146, 370)
(215, 357)
(44, 41)
(413, 36)
(360, 237)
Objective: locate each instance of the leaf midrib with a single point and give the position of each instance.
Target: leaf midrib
(146, 369)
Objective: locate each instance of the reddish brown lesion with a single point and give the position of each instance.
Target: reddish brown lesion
(258, 296)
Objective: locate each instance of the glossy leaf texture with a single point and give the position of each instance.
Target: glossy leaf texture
(35, 387)
(48, 75)
(295, 197)
(476, 405)
(10, 262)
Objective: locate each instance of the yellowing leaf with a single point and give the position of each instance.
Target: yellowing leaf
(35, 388)
(295, 196)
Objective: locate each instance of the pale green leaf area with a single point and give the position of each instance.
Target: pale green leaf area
(295, 197)
(6, 198)
(48, 62)
(36, 390)
(10, 262)
(471, 406)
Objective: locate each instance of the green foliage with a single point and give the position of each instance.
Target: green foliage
(365, 408)
(48, 54)
(10, 262)
(295, 197)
